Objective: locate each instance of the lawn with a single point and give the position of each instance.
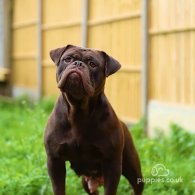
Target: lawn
(23, 160)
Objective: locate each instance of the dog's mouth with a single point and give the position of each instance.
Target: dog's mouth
(71, 82)
(72, 77)
(75, 83)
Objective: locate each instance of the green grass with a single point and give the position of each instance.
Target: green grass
(23, 160)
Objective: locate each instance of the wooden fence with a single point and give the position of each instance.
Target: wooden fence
(111, 26)
(172, 51)
(115, 27)
(24, 47)
(171, 66)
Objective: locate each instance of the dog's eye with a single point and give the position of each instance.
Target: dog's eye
(92, 64)
(68, 59)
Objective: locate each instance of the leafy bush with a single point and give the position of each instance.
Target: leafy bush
(176, 152)
(23, 160)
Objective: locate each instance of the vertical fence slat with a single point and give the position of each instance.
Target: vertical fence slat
(144, 83)
(84, 23)
(39, 49)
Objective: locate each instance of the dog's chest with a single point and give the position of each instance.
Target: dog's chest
(85, 158)
(79, 150)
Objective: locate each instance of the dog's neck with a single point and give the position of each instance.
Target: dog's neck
(84, 107)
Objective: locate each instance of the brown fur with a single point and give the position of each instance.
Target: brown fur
(83, 127)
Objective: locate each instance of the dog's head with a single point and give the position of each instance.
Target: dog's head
(82, 72)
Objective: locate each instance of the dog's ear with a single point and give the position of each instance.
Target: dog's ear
(56, 54)
(111, 65)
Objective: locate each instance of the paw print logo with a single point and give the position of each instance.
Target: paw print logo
(159, 170)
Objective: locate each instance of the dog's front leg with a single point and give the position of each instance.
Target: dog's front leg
(112, 172)
(57, 172)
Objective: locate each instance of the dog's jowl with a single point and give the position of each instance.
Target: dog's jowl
(83, 127)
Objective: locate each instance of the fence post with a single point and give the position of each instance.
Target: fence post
(144, 87)
(84, 25)
(5, 46)
(39, 49)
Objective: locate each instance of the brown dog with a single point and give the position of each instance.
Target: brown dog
(83, 127)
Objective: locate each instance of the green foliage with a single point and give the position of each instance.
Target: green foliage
(176, 152)
(23, 161)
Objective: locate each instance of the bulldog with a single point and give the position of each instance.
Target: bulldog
(83, 127)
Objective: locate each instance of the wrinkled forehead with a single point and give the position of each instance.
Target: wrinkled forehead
(84, 52)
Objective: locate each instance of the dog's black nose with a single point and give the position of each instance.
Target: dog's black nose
(78, 63)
